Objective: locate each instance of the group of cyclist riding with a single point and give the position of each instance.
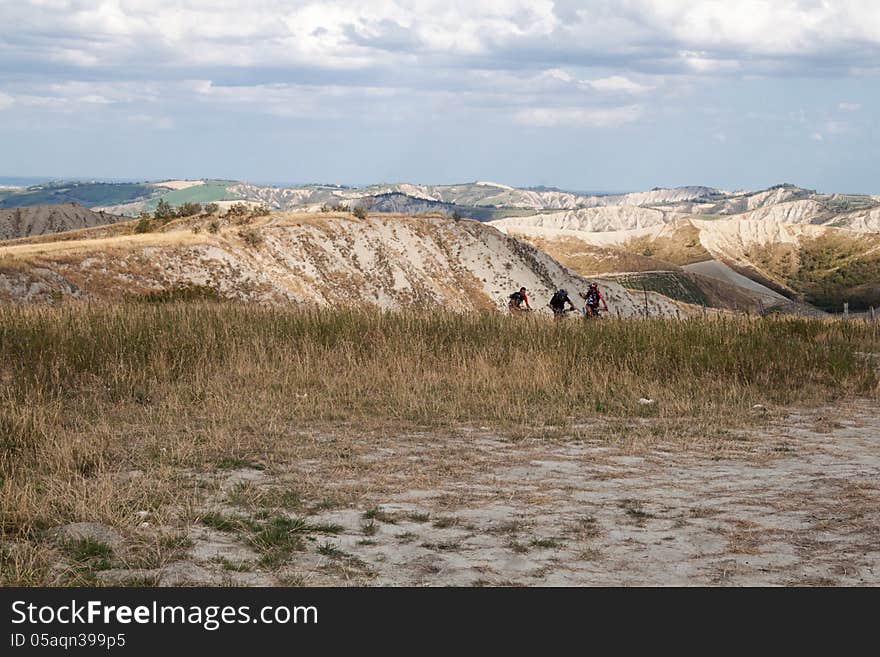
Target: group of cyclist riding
(519, 302)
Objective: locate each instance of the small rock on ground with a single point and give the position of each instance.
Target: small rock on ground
(89, 531)
(186, 573)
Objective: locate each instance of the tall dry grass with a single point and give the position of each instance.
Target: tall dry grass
(91, 392)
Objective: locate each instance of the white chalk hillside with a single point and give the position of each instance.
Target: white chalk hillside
(863, 221)
(655, 196)
(722, 235)
(591, 220)
(731, 238)
(385, 261)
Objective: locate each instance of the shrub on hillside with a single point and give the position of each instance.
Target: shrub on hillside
(164, 211)
(359, 212)
(251, 237)
(143, 225)
(189, 209)
(237, 210)
(211, 208)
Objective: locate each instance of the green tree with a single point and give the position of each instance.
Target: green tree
(189, 209)
(164, 210)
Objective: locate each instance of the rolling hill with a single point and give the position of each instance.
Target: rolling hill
(787, 245)
(388, 261)
(795, 244)
(41, 219)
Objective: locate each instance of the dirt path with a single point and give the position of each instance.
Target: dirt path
(798, 505)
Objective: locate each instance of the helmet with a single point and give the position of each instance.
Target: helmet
(563, 292)
(593, 284)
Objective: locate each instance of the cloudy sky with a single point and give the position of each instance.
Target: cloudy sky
(591, 95)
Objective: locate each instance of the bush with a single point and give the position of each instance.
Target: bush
(237, 210)
(251, 237)
(189, 209)
(164, 211)
(214, 227)
(211, 208)
(260, 211)
(143, 225)
(359, 212)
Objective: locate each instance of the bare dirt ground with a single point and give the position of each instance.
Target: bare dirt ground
(795, 502)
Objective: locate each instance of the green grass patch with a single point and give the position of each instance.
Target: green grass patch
(87, 549)
(210, 192)
(376, 513)
(330, 550)
(237, 463)
(672, 284)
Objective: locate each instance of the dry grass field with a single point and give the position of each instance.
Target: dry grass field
(237, 444)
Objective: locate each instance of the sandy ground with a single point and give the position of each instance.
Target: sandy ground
(794, 503)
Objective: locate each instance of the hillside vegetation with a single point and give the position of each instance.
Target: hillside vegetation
(212, 190)
(680, 245)
(672, 284)
(827, 271)
(86, 194)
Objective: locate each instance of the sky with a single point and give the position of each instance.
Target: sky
(595, 95)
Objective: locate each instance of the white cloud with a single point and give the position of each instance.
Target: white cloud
(593, 117)
(817, 136)
(544, 62)
(558, 74)
(617, 84)
(704, 36)
(705, 63)
(850, 107)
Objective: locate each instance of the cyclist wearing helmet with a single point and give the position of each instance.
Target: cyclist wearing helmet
(593, 298)
(517, 299)
(558, 301)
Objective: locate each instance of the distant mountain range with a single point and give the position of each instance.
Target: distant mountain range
(781, 246)
(131, 198)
